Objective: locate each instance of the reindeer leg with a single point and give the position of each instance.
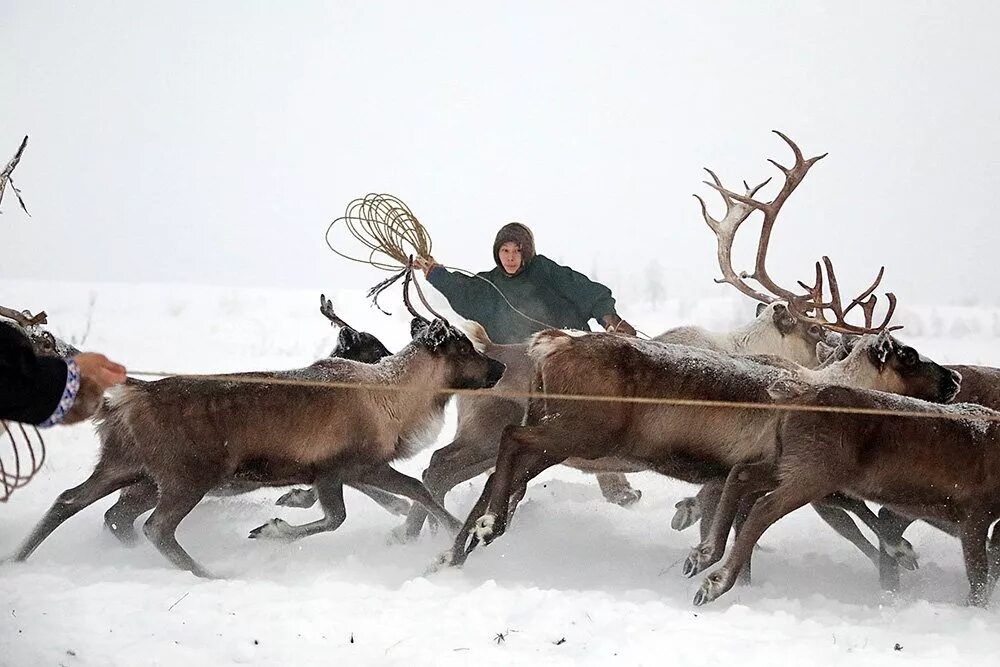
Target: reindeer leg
(743, 479)
(842, 523)
(974, 532)
(893, 522)
(449, 466)
(306, 498)
(390, 503)
(106, 479)
(466, 541)
(176, 501)
(616, 489)
(739, 520)
(994, 556)
(387, 478)
(132, 502)
(330, 492)
(787, 497)
(521, 458)
(831, 509)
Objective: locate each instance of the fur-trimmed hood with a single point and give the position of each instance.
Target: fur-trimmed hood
(519, 234)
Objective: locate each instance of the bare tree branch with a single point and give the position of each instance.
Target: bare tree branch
(6, 176)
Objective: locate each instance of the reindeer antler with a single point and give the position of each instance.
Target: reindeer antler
(407, 277)
(725, 232)
(326, 309)
(738, 209)
(24, 318)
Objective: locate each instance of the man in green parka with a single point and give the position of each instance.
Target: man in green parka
(550, 295)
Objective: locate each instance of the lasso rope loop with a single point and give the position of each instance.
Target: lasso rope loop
(10, 482)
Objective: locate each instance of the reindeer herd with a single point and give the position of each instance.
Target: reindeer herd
(791, 409)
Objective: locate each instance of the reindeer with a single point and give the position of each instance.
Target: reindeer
(980, 385)
(191, 434)
(140, 497)
(930, 461)
(693, 443)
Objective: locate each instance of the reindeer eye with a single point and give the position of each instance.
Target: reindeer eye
(815, 331)
(908, 356)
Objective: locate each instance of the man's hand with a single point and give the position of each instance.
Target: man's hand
(99, 369)
(97, 373)
(616, 324)
(425, 264)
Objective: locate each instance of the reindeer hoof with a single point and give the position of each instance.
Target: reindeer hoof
(626, 497)
(127, 535)
(904, 554)
(276, 529)
(710, 589)
(698, 560)
(301, 498)
(484, 528)
(447, 559)
(688, 513)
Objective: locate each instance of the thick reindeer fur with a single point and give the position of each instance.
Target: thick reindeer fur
(943, 469)
(189, 435)
(694, 443)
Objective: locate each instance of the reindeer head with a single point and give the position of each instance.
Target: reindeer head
(789, 337)
(351, 343)
(892, 366)
(466, 367)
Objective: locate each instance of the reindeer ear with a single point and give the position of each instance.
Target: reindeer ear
(417, 326)
(760, 308)
(881, 349)
(437, 334)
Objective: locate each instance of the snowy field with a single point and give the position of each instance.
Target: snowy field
(574, 581)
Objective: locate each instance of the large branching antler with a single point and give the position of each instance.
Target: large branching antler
(738, 209)
(725, 232)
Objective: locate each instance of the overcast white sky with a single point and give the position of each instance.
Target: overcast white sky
(212, 142)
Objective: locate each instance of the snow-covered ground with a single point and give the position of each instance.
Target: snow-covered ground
(575, 580)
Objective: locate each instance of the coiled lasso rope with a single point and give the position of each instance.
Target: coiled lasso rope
(11, 481)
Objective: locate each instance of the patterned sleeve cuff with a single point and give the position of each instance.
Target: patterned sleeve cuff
(68, 395)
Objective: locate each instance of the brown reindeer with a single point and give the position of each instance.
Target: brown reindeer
(693, 443)
(945, 468)
(193, 434)
(135, 500)
(980, 385)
